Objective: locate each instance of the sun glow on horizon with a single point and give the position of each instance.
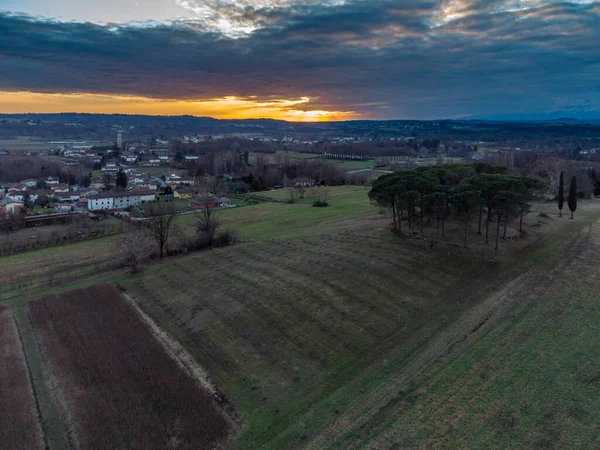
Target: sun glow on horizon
(230, 107)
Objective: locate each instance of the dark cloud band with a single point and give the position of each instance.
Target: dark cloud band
(380, 58)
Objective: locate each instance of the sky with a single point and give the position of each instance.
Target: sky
(302, 60)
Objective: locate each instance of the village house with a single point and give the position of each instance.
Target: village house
(186, 192)
(52, 181)
(153, 162)
(63, 207)
(97, 183)
(29, 182)
(10, 206)
(17, 187)
(67, 196)
(110, 167)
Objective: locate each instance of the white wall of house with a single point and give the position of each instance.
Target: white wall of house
(147, 198)
(10, 207)
(100, 203)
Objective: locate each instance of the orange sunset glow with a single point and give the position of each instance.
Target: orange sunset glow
(231, 107)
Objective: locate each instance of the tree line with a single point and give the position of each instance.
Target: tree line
(465, 193)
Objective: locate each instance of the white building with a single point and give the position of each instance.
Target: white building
(63, 207)
(120, 200)
(110, 167)
(30, 182)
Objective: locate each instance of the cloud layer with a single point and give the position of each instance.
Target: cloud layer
(383, 59)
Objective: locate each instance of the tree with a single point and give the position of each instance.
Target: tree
(40, 185)
(134, 246)
(207, 224)
(121, 179)
(466, 199)
(526, 189)
(108, 181)
(319, 195)
(436, 205)
(42, 200)
(159, 224)
(561, 193)
(503, 202)
(291, 194)
(246, 157)
(573, 195)
(27, 200)
(300, 188)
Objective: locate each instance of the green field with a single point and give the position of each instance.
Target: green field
(349, 207)
(353, 165)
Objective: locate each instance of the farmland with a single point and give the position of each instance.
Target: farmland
(324, 330)
(117, 386)
(20, 427)
(45, 267)
(301, 333)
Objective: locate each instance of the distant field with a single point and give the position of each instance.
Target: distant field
(118, 386)
(31, 144)
(20, 427)
(25, 144)
(354, 164)
(298, 155)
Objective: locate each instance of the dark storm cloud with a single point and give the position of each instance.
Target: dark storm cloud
(380, 58)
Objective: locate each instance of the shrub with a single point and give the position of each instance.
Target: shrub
(320, 204)
(225, 237)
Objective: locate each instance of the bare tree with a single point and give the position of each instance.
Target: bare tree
(134, 246)
(159, 223)
(210, 184)
(319, 195)
(207, 224)
(300, 189)
(291, 194)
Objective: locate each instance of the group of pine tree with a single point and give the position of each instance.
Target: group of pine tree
(479, 191)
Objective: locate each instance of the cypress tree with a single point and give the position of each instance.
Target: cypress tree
(573, 195)
(561, 193)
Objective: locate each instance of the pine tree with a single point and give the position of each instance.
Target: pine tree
(573, 195)
(561, 193)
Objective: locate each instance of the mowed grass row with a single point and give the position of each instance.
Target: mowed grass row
(20, 428)
(293, 330)
(117, 387)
